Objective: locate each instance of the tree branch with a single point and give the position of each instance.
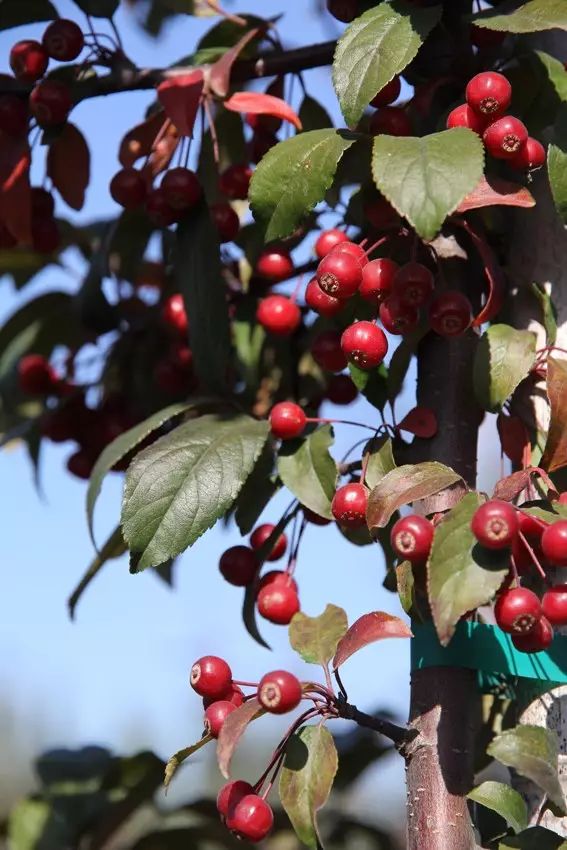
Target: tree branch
(399, 735)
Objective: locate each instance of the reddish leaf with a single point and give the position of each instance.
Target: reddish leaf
(514, 439)
(511, 486)
(420, 421)
(139, 140)
(180, 97)
(262, 104)
(406, 484)
(232, 730)
(68, 165)
(15, 195)
(219, 76)
(368, 629)
(493, 273)
(496, 192)
(555, 453)
(162, 153)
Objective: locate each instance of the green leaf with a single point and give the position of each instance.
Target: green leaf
(374, 48)
(549, 313)
(308, 470)
(232, 731)
(293, 177)
(306, 780)
(316, 638)
(199, 279)
(257, 491)
(533, 16)
(534, 838)
(426, 178)
(555, 452)
(15, 13)
(533, 752)
(503, 358)
(461, 575)
(380, 460)
(312, 115)
(29, 821)
(180, 756)
(503, 800)
(128, 243)
(372, 384)
(98, 8)
(557, 164)
(405, 484)
(181, 485)
(366, 630)
(114, 547)
(249, 337)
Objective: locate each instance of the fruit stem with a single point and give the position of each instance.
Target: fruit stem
(242, 684)
(340, 422)
(280, 749)
(342, 689)
(377, 244)
(213, 129)
(533, 555)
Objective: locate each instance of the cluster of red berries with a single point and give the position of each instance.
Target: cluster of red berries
(488, 96)
(173, 373)
(242, 809)
(44, 228)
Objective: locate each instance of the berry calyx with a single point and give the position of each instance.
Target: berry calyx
(50, 103)
(450, 314)
(554, 605)
(517, 611)
(158, 210)
(364, 344)
(210, 676)
(341, 390)
(13, 115)
(287, 420)
(349, 505)
(251, 818)
(226, 221)
(495, 524)
(259, 537)
(238, 565)
(390, 121)
(413, 284)
(182, 188)
(230, 794)
(35, 375)
(278, 602)
(215, 715)
(532, 155)
(505, 138)
(388, 94)
(279, 692)
(377, 279)
(274, 264)
(327, 352)
(128, 188)
(554, 543)
(28, 60)
(235, 181)
(540, 638)
(279, 315)
(411, 538)
(464, 116)
(339, 274)
(328, 240)
(398, 318)
(320, 302)
(489, 93)
(63, 40)
(173, 314)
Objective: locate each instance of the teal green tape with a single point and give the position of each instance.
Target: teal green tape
(490, 651)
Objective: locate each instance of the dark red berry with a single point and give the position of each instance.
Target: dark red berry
(489, 93)
(339, 274)
(181, 188)
(28, 60)
(279, 315)
(517, 611)
(388, 94)
(341, 390)
(380, 213)
(35, 375)
(495, 524)
(13, 115)
(238, 565)
(354, 249)
(45, 235)
(274, 264)
(226, 221)
(277, 578)
(128, 188)
(505, 138)
(530, 526)
(464, 116)
(450, 314)
(259, 537)
(554, 605)
(173, 314)
(390, 121)
(6, 238)
(250, 818)
(344, 11)
(171, 378)
(259, 145)
(328, 240)
(364, 344)
(42, 203)
(50, 103)
(537, 640)
(210, 676)
(278, 602)
(58, 426)
(377, 279)
(287, 420)
(314, 518)
(349, 505)
(234, 694)
(532, 155)
(63, 40)
(413, 284)
(215, 715)
(320, 302)
(279, 692)
(483, 37)
(263, 123)
(411, 538)
(235, 181)
(80, 464)
(327, 352)
(398, 318)
(159, 211)
(554, 543)
(230, 794)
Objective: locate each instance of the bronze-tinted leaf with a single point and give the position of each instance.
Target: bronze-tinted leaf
(368, 629)
(139, 140)
(493, 191)
(404, 485)
(555, 453)
(15, 194)
(233, 729)
(69, 164)
(180, 97)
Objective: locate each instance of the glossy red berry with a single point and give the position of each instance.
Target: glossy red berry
(328, 240)
(341, 390)
(80, 464)
(388, 94)
(28, 60)
(320, 302)
(287, 420)
(279, 315)
(377, 279)
(210, 676)
(226, 221)
(278, 602)
(354, 249)
(50, 103)
(63, 40)
(554, 543)
(396, 317)
(277, 577)
(234, 694)
(250, 818)
(230, 794)
(390, 121)
(554, 605)
(413, 284)
(173, 314)
(35, 375)
(235, 181)
(364, 344)
(279, 692)
(13, 115)
(327, 352)
(45, 235)
(339, 274)
(411, 538)
(530, 526)
(464, 116)
(505, 138)
(537, 640)
(181, 188)
(532, 155)
(349, 505)
(274, 264)
(495, 524)
(489, 93)
(450, 314)
(517, 611)
(259, 537)
(128, 188)
(483, 37)
(215, 715)
(159, 211)
(238, 565)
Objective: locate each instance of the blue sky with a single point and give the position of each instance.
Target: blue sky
(118, 675)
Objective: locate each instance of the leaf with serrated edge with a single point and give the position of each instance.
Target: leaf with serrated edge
(308, 470)
(181, 485)
(306, 780)
(180, 756)
(503, 800)
(533, 752)
(294, 176)
(366, 630)
(555, 452)
(503, 358)
(232, 731)
(316, 638)
(380, 460)
(404, 485)
(533, 16)
(374, 48)
(461, 575)
(425, 179)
